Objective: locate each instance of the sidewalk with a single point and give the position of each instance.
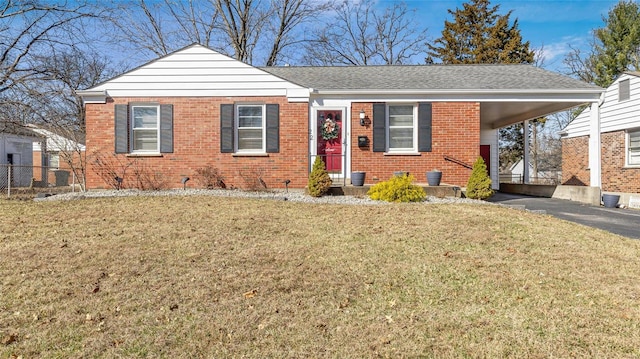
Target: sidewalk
(625, 222)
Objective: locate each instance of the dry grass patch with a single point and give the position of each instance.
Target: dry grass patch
(227, 277)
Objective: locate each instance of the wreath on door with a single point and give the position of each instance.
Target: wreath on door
(330, 129)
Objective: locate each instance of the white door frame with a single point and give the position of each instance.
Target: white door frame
(346, 143)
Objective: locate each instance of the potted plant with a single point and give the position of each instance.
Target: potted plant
(434, 177)
(357, 178)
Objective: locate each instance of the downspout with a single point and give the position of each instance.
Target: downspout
(525, 154)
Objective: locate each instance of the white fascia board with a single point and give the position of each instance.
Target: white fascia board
(89, 96)
(196, 93)
(298, 94)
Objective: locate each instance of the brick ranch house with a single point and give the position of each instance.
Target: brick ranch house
(601, 146)
(196, 108)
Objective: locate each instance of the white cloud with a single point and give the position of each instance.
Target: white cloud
(554, 53)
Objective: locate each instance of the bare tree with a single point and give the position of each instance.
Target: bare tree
(360, 34)
(158, 28)
(252, 31)
(243, 21)
(30, 27)
(49, 99)
(289, 15)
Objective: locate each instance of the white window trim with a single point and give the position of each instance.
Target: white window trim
(236, 128)
(627, 149)
(413, 150)
(132, 129)
(51, 155)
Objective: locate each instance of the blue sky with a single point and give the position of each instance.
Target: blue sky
(552, 24)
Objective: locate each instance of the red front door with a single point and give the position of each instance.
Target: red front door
(485, 153)
(330, 139)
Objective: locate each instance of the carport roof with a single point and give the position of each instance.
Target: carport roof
(508, 93)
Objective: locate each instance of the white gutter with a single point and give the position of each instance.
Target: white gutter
(456, 92)
(93, 96)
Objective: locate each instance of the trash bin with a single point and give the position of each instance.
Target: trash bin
(610, 200)
(62, 177)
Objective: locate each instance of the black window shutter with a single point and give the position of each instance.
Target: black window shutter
(424, 127)
(121, 125)
(166, 128)
(379, 127)
(226, 128)
(273, 128)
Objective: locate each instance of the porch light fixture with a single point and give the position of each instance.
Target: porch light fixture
(363, 117)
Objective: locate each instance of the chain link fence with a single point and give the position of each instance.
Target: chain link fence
(20, 180)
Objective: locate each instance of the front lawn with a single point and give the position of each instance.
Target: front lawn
(184, 277)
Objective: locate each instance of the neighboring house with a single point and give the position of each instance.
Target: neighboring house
(196, 108)
(59, 155)
(516, 174)
(617, 131)
(16, 143)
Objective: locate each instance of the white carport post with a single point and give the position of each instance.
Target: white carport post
(595, 168)
(525, 153)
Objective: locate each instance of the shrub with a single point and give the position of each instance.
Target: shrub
(319, 180)
(397, 189)
(210, 177)
(479, 185)
(253, 179)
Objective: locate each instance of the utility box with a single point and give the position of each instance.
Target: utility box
(62, 178)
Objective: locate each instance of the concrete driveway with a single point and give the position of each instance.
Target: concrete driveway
(625, 222)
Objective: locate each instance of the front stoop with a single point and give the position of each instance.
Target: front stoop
(436, 191)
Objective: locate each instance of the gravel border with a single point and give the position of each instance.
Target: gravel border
(281, 195)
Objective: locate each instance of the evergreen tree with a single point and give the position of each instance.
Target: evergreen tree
(479, 185)
(479, 35)
(616, 47)
(319, 179)
(619, 43)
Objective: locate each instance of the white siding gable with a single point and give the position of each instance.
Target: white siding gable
(614, 115)
(197, 71)
(55, 142)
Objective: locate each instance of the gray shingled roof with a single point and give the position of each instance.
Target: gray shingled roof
(429, 77)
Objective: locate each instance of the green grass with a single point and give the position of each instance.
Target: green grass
(225, 277)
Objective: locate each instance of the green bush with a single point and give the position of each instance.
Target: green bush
(479, 185)
(319, 180)
(397, 189)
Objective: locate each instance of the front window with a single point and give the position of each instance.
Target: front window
(145, 125)
(633, 148)
(402, 128)
(250, 128)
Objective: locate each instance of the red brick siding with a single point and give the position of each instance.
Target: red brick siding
(615, 177)
(196, 123)
(455, 133)
(575, 161)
